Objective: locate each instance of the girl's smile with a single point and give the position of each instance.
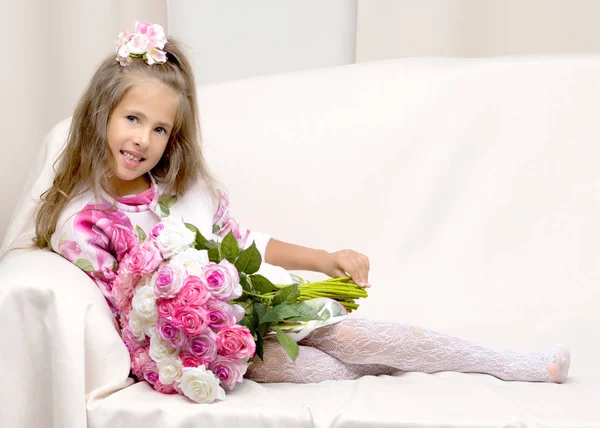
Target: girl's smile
(132, 159)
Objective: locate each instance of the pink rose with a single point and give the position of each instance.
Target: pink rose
(166, 307)
(193, 292)
(192, 320)
(203, 345)
(150, 372)
(223, 280)
(188, 360)
(164, 389)
(168, 281)
(235, 342)
(120, 233)
(139, 357)
(70, 249)
(123, 288)
(156, 34)
(131, 342)
(141, 27)
(220, 314)
(105, 228)
(228, 371)
(156, 231)
(170, 333)
(123, 318)
(143, 259)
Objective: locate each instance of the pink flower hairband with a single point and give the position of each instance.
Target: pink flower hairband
(146, 42)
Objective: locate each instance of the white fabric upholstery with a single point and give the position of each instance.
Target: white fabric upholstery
(473, 186)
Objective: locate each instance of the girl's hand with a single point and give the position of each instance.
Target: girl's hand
(348, 263)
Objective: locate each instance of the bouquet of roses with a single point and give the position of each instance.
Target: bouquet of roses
(193, 310)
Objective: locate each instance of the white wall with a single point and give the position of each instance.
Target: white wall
(53, 47)
(233, 39)
(474, 28)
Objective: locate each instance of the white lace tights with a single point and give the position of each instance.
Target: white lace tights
(357, 347)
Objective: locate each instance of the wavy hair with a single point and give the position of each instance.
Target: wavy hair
(86, 162)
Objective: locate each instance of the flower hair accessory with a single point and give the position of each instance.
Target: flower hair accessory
(146, 42)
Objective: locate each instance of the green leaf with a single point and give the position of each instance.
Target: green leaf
(84, 265)
(278, 313)
(214, 255)
(247, 306)
(140, 234)
(305, 313)
(165, 211)
(201, 243)
(216, 229)
(211, 244)
(288, 344)
(287, 294)
(261, 284)
(246, 283)
(246, 322)
(269, 316)
(285, 311)
(262, 329)
(259, 309)
(259, 347)
(191, 227)
(230, 248)
(167, 200)
(249, 260)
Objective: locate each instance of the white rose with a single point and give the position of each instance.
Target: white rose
(174, 238)
(169, 370)
(159, 350)
(201, 385)
(138, 44)
(238, 312)
(136, 325)
(123, 52)
(150, 326)
(192, 261)
(144, 303)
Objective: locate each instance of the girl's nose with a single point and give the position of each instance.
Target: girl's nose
(142, 139)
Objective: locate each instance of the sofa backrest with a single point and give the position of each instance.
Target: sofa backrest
(472, 184)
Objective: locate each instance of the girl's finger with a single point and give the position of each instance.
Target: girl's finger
(366, 267)
(338, 273)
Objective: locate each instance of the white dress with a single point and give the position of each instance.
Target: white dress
(95, 233)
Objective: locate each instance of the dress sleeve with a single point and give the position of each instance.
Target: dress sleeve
(95, 239)
(223, 223)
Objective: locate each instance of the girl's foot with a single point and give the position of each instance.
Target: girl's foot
(558, 369)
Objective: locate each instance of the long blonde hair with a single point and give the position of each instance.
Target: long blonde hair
(86, 162)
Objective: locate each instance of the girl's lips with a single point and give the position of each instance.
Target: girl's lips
(134, 154)
(130, 162)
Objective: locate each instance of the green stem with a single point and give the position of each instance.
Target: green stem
(260, 296)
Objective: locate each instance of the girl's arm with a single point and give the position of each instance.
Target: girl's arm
(295, 257)
(339, 263)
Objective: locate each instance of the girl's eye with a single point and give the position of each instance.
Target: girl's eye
(131, 119)
(161, 130)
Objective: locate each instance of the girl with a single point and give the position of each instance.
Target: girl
(134, 142)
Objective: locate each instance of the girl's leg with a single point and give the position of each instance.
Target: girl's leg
(412, 348)
(311, 366)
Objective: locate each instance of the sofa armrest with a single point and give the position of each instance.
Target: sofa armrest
(59, 342)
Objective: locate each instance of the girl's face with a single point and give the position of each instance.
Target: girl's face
(138, 133)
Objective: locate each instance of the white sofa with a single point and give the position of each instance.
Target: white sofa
(473, 186)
